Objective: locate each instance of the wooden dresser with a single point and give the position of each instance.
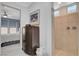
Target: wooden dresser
(30, 39)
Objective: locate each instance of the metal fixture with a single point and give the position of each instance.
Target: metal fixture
(5, 14)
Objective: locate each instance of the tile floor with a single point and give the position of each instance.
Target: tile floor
(12, 50)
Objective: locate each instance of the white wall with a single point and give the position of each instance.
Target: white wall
(0, 29)
(45, 26)
(24, 21)
(9, 37)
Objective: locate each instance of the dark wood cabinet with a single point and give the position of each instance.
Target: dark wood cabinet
(30, 39)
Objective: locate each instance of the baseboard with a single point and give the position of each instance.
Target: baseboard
(9, 43)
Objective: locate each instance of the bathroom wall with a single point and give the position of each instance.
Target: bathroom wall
(45, 26)
(0, 29)
(66, 37)
(24, 21)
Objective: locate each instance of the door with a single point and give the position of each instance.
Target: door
(66, 34)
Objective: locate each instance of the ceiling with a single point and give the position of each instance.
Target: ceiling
(19, 5)
(13, 12)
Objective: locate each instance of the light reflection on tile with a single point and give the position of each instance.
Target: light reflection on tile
(12, 50)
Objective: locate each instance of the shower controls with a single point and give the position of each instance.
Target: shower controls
(74, 27)
(68, 28)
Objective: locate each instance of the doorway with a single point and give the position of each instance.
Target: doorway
(10, 30)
